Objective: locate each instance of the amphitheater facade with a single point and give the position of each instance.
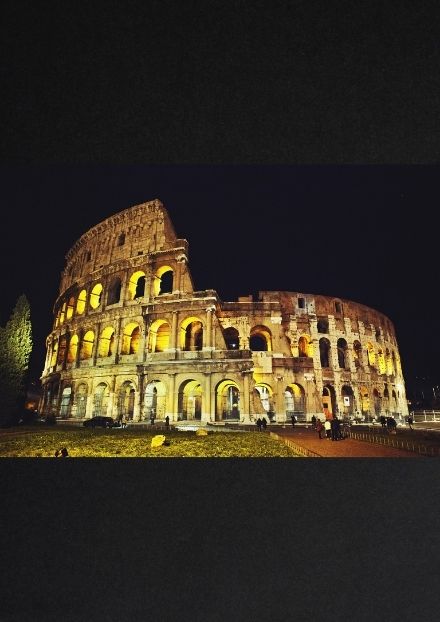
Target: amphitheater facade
(132, 337)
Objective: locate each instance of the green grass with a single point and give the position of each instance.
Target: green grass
(87, 443)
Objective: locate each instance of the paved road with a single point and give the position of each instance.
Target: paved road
(307, 442)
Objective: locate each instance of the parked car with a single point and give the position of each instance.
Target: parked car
(99, 422)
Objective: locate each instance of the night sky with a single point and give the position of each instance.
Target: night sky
(360, 232)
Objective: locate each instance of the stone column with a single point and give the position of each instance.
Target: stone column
(170, 411)
(246, 396)
(173, 336)
(280, 414)
(206, 398)
(207, 336)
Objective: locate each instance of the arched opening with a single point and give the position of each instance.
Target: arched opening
(62, 346)
(106, 342)
(377, 402)
(95, 296)
(121, 239)
(371, 355)
(381, 365)
(53, 358)
(87, 345)
(365, 402)
(342, 353)
(324, 352)
(305, 348)
(260, 339)
(100, 400)
(189, 403)
(81, 302)
(80, 401)
(63, 313)
(70, 308)
(386, 400)
(57, 318)
(191, 334)
(159, 336)
(114, 291)
(227, 401)
(328, 401)
(295, 401)
(389, 362)
(393, 403)
(73, 349)
(136, 285)
(155, 400)
(66, 398)
(131, 338)
(322, 326)
(163, 282)
(265, 395)
(232, 338)
(347, 400)
(126, 395)
(357, 354)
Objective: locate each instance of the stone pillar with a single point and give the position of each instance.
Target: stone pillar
(207, 335)
(280, 413)
(170, 410)
(206, 398)
(96, 344)
(142, 342)
(173, 336)
(139, 395)
(246, 396)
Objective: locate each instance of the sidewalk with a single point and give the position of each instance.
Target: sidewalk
(307, 443)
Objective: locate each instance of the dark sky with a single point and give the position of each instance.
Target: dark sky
(366, 233)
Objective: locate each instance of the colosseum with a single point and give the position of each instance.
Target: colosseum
(133, 338)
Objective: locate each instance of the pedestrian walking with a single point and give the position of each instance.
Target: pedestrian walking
(314, 422)
(410, 422)
(167, 422)
(259, 424)
(264, 423)
(293, 420)
(328, 428)
(319, 427)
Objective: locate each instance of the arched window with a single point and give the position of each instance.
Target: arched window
(304, 347)
(106, 342)
(114, 291)
(131, 338)
(73, 349)
(260, 339)
(357, 354)
(87, 345)
(381, 362)
(166, 283)
(70, 308)
(136, 285)
(324, 352)
(322, 326)
(191, 334)
(342, 353)
(95, 296)
(62, 349)
(53, 359)
(121, 239)
(371, 355)
(232, 338)
(81, 302)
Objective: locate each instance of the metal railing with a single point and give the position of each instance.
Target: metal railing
(420, 416)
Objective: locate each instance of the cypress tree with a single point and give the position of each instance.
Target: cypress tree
(15, 351)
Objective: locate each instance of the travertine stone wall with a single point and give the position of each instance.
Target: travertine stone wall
(132, 338)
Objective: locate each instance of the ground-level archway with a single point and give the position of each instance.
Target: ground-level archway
(155, 400)
(189, 401)
(328, 401)
(126, 395)
(227, 401)
(100, 400)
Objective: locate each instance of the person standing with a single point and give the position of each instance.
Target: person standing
(167, 422)
(259, 424)
(328, 428)
(319, 427)
(264, 423)
(410, 422)
(293, 420)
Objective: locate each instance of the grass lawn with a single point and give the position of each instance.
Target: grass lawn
(42, 442)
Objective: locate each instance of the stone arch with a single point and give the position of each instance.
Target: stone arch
(136, 285)
(53, 358)
(348, 404)
(63, 313)
(126, 398)
(87, 345)
(191, 334)
(377, 402)
(106, 342)
(389, 363)
(100, 400)
(232, 338)
(73, 349)
(322, 326)
(114, 291)
(371, 355)
(381, 362)
(155, 399)
(342, 353)
(329, 401)
(365, 401)
(357, 354)
(265, 395)
(66, 402)
(260, 339)
(131, 338)
(96, 295)
(81, 302)
(70, 308)
(227, 401)
(163, 282)
(305, 348)
(294, 399)
(159, 336)
(189, 400)
(62, 346)
(80, 401)
(324, 352)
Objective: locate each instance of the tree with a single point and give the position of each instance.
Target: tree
(15, 351)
